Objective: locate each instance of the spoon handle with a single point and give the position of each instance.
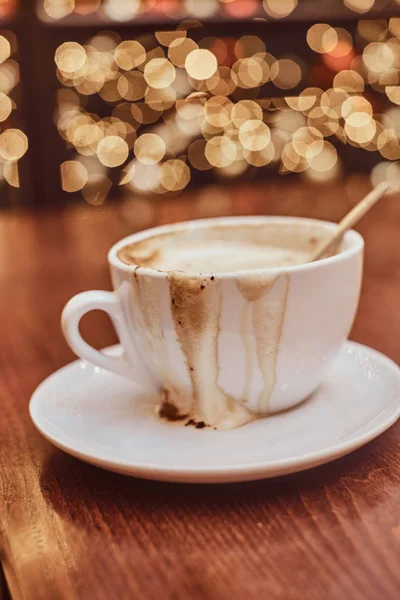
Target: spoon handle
(351, 219)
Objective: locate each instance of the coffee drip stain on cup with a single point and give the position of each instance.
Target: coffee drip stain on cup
(197, 308)
(263, 312)
(196, 304)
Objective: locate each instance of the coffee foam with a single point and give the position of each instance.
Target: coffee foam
(219, 249)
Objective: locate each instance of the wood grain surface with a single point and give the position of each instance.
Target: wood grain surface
(72, 531)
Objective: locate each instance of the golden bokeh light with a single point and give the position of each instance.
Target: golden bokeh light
(286, 73)
(291, 160)
(391, 120)
(201, 64)
(220, 151)
(174, 175)
(288, 121)
(209, 131)
(355, 104)
(197, 156)
(307, 99)
(5, 49)
(393, 93)
(11, 71)
(248, 46)
(182, 84)
(388, 144)
(184, 100)
(58, 9)
(260, 158)
(379, 173)
(121, 10)
(360, 127)
(307, 142)
(157, 52)
(378, 57)
(217, 111)
(245, 110)
(146, 178)
(203, 9)
(251, 72)
(129, 55)
(359, 6)
(128, 172)
(325, 120)
(132, 86)
(372, 31)
(393, 176)
(190, 115)
(322, 38)
(333, 100)
(143, 114)
(222, 83)
(85, 137)
(349, 81)
(159, 73)
(325, 160)
(179, 49)
(73, 176)
(279, 9)
(165, 38)
(160, 99)
(254, 135)
(11, 174)
(112, 151)
(149, 149)
(109, 91)
(343, 48)
(13, 145)
(5, 106)
(70, 57)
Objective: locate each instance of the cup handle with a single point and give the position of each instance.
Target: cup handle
(73, 312)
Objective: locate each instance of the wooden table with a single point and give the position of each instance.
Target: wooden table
(70, 530)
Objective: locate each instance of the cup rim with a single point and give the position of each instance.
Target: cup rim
(354, 240)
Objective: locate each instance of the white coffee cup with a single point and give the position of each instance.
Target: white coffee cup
(260, 354)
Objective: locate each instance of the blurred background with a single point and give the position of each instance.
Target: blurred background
(139, 100)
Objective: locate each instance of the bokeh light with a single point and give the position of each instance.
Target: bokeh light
(73, 176)
(13, 141)
(159, 73)
(129, 55)
(278, 9)
(122, 11)
(201, 64)
(112, 151)
(13, 145)
(150, 149)
(167, 104)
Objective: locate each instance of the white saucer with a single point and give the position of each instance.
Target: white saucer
(105, 420)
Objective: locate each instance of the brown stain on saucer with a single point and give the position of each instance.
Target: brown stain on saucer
(169, 411)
